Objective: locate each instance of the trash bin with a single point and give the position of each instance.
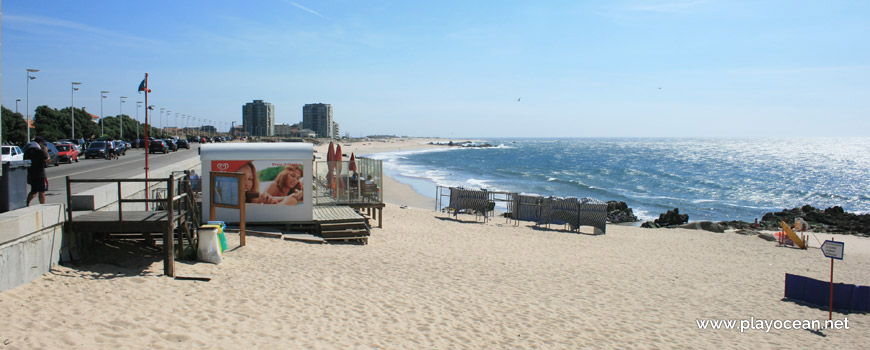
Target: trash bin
(13, 185)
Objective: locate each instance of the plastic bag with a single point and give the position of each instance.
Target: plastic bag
(209, 248)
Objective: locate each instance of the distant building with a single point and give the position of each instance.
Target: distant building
(318, 117)
(208, 128)
(335, 132)
(284, 130)
(258, 118)
(306, 133)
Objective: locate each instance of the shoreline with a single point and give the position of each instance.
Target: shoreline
(427, 280)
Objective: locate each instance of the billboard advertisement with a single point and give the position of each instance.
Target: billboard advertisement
(274, 190)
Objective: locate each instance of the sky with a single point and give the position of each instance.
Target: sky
(622, 68)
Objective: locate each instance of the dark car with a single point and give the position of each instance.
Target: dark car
(52, 152)
(170, 143)
(97, 149)
(155, 146)
(67, 152)
(182, 143)
(120, 147)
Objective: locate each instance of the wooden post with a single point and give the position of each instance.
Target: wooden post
(168, 236)
(120, 204)
(380, 217)
(241, 211)
(68, 201)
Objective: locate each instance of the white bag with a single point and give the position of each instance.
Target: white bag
(209, 249)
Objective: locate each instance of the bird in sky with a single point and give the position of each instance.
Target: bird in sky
(518, 100)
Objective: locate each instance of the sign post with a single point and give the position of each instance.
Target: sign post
(834, 250)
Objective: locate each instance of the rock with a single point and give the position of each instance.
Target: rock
(619, 212)
(649, 224)
(767, 237)
(738, 225)
(833, 219)
(704, 225)
(672, 218)
(746, 232)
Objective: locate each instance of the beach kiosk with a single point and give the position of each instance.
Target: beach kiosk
(278, 180)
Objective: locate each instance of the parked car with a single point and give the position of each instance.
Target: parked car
(67, 152)
(170, 143)
(10, 153)
(155, 146)
(120, 147)
(96, 149)
(182, 143)
(52, 152)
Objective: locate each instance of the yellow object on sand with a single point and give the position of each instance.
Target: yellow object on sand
(793, 237)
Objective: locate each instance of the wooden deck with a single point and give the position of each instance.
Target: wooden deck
(335, 213)
(124, 222)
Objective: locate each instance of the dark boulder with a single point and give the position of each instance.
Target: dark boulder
(833, 219)
(704, 225)
(671, 218)
(619, 212)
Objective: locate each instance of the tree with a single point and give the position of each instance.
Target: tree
(14, 127)
(50, 124)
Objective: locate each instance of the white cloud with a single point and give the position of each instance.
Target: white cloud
(304, 8)
(47, 22)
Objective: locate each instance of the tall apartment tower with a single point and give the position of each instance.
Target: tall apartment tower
(258, 118)
(318, 117)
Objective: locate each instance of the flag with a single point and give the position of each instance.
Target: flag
(142, 87)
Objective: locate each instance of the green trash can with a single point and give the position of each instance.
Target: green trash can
(13, 185)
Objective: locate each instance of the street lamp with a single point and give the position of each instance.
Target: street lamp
(168, 113)
(176, 124)
(73, 114)
(16, 105)
(138, 105)
(161, 115)
(29, 78)
(121, 119)
(102, 97)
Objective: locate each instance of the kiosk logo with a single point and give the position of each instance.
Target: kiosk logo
(223, 166)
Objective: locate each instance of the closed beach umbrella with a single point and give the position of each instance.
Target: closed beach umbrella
(337, 160)
(330, 166)
(352, 165)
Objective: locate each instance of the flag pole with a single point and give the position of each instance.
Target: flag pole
(147, 147)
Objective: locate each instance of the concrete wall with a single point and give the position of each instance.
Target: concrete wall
(30, 241)
(31, 237)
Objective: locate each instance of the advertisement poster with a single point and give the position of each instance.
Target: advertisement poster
(268, 182)
(226, 190)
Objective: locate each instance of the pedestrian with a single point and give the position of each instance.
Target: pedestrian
(37, 153)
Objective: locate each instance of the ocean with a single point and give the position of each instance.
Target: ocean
(709, 179)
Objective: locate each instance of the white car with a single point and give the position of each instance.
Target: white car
(11, 153)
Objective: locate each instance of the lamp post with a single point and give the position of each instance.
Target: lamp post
(29, 78)
(102, 97)
(161, 115)
(16, 105)
(138, 105)
(176, 124)
(120, 118)
(168, 113)
(73, 113)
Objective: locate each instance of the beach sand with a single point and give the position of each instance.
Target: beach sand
(427, 281)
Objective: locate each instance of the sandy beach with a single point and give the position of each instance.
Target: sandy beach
(428, 281)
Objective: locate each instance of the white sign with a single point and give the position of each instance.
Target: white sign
(833, 249)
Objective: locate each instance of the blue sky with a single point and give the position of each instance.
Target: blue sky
(456, 68)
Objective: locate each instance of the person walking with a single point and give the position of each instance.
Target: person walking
(38, 155)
